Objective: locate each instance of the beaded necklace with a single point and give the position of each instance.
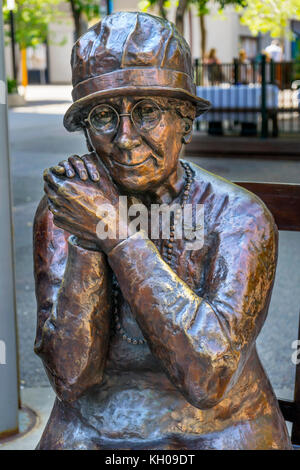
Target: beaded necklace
(170, 246)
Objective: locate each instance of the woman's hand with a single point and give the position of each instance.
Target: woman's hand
(77, 189)
(85, 167)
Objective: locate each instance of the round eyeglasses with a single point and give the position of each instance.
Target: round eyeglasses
(104, 119)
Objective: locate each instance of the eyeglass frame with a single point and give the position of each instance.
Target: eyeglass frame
(87, 122)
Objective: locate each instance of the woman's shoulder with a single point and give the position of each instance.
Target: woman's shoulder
(221, 195)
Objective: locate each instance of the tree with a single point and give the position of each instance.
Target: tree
(202, 7)
(180, 11)
(82, 11)
(31, 18)
(164, 5)
(270, 16)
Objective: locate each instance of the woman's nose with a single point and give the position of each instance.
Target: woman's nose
(127, 137)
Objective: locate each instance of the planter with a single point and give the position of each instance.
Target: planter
(14, 99)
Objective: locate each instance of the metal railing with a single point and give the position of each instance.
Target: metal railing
(248, 97)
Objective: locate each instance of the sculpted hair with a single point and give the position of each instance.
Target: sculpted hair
(184, 108)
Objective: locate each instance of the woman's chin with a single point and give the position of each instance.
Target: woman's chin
(137, 182)
(136, 185)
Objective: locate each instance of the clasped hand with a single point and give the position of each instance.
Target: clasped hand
(76, 188)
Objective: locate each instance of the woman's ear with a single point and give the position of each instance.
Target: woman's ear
(187, 129)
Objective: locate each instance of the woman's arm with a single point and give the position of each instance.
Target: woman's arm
(73, 298)
(203, 343)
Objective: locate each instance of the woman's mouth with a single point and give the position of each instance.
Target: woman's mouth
(131, 165)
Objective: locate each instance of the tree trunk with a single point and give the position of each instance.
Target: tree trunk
(182, 5)
(162, 10)
(78, 22)
(191, 30)
(203, 37)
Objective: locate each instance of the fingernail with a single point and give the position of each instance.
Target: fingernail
(70, 173)
(83, 175)
(95, 177)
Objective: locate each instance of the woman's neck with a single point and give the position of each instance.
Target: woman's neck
(167, 191)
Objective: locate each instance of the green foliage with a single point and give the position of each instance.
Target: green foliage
(32, 18)
(296, 65)
(144, 5)
(203, 7)
(270, 16)
(11, 86)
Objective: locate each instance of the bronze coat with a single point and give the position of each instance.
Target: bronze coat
(198, 382)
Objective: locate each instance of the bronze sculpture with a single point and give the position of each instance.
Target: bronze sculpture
(148, 344)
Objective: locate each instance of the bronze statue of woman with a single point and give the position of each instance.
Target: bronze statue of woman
(147, 342)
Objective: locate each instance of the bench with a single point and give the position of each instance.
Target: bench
(283, 200)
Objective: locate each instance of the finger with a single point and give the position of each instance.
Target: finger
(51, 179)
(49, 191)
(60, 186)
(63, 187)
(59, 222)
(52, 196)
(53, 208)
(58, 199)
(61, 214)
(58, 170)
(79, 167)
(91, 167)
(70, 172)
(62, 223)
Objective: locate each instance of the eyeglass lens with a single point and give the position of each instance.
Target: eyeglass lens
(145, 116)
(104, 118)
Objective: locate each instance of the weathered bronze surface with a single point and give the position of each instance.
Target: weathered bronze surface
(196, 382)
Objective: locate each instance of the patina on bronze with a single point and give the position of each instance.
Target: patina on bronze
(149, 345)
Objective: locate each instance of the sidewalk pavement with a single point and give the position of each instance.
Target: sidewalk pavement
(40, 400)
(38, 141)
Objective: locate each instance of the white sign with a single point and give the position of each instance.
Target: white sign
(2, 92)
(2, 353)
(10, 4)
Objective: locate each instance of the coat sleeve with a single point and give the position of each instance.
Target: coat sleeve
(73, 300)
(203, 342)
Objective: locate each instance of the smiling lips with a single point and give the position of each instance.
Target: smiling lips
(132, 165)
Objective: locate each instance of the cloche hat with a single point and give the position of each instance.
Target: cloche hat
(130, 53)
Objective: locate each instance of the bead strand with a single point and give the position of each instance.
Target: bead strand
(170, 246)
(178, 214)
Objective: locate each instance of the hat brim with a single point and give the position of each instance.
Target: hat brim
(74, 115)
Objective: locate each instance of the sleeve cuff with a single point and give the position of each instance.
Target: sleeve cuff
(76, 250)
(73, 240)
(141, 235)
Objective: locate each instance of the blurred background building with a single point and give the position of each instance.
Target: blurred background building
(49, 62)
